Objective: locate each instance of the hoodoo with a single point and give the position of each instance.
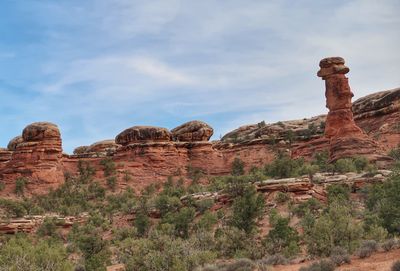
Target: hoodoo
(346, 138)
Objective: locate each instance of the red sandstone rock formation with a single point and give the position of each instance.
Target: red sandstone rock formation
(37, 157)
(192, 131)
(138, 134)
(346, 138)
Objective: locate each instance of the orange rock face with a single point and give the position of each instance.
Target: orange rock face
(346, 138)
(38, 158)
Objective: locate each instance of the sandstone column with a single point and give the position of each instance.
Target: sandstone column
(346, 138)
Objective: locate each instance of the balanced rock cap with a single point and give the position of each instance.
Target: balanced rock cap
(138, 134)
(40, 130)
(192, 131)
(13, 144)
(332, 65)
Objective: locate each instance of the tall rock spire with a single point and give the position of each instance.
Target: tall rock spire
(346, 138)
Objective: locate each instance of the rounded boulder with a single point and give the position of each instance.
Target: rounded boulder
(13, 144)
(39, 131)
(192, 131)
(138, 134)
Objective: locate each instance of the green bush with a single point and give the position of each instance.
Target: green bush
(338, 192)
(273, 260)
(48, 227)
(20, 185)
(111, 182)
(284, 167)
(246, 209)
(19, 253)
(162, 253)
(281, 238)
(395, 153)
(335, 227)
(109, 167)
(344, 165)
(237, 167)
(367, 248)
(384, 200)
(389, 244)
(339, 256)
(323, 265)
(13, 208)
(281, 197)
(142, 223)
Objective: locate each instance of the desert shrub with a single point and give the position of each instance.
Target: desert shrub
(108, 166)
(181, 221)
(395, 153)
(389, 244)
(195, 174)
(94, 248)
(376, 232)
(19, 253)
(284, 167)
(20, 185)
(345, 165)
(281, 238)
(396, 266)
(142, 223)
(340, 256)
(323, 265)
(48, 227)
(207, 221)
(360, 163)
(237, 167)
(367, 248)
(86, 172)
(338, 192)
(273, 260)
(203, 205)
(165, 204)
(232, 242)
(111, 182)
(162, 253)
(321, 159)
(312, 205)
(13, 208)
(384, 200)
(246, 209)
(281, 197)
(335, 227)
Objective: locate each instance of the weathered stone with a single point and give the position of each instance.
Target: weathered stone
(39, 131)
(138, 134)
(346, 138)
(192, 131)
(103, 146)
(12, 145)
(81, 150)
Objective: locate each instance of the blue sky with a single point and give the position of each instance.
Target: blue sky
(96, 67)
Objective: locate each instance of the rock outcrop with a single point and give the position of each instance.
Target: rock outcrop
(38, 157)
(192, 131)
(12, 145)
(378, 115)
(346, 138)
(138, 134)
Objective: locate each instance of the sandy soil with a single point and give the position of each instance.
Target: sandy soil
(380, 261)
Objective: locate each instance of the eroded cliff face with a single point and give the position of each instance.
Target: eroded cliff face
(145, 155)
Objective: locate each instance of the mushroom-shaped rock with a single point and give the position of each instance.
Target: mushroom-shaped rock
(103, 146)
(332, 65)
(138, 134)
(12, 145)
(39, 131)
(192, 131)
(81, 149)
